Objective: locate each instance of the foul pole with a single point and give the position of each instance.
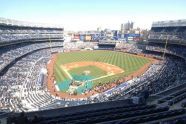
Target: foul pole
(165, 47)
(50, 44)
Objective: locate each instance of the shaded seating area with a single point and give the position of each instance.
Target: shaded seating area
(107, 113)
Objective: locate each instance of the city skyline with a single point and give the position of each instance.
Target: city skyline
(89, 15)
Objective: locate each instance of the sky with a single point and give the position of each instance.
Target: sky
(76, 15)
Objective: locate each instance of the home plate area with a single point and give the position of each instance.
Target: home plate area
(84, 73)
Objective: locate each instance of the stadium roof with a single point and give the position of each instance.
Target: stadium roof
(27, 24)
(170, 23)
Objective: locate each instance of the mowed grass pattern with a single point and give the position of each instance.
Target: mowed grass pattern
(94, 71)
(128, 62)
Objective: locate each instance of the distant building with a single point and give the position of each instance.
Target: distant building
(98, 29)
(122, 29)
(127, 27)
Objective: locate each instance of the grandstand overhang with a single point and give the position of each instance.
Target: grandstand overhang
(171, 23)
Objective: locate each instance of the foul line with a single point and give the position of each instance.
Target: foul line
(101, 77)
(65, 70)
(69, 75)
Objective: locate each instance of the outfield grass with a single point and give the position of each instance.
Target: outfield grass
(128, 62)
(94, 71)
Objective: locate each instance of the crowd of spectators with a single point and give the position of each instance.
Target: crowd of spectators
(172, 34)
(12, 30)
(20, 79)
(14, 35)
(128, 47)
(177, 50)
(161, 36)
(169, 73)
(10, 53)
(20, 91)
(78, 45)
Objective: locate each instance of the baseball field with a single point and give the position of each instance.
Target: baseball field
(82, 70)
